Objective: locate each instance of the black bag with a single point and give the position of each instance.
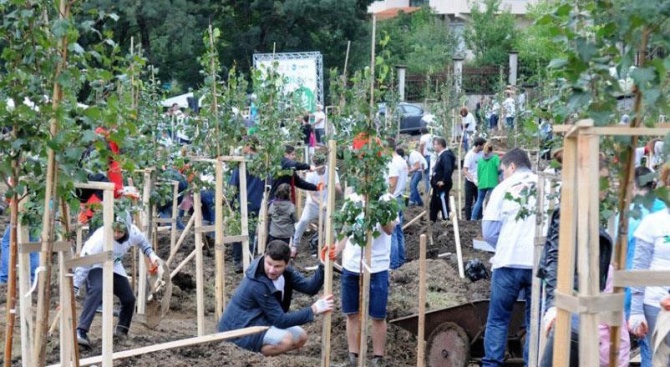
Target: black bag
(475, 270)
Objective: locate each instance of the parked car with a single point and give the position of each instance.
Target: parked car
(412, 117)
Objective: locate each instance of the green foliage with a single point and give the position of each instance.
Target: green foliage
(490, 34)
(420, 40)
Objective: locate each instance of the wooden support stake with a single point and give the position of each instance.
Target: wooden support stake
(147, 227)
(182, 237)
(199, 265)
(108, 280)
(328, 266)
(67, 334)
(457, 238)
(262, 231)
(416, 219)
(588, 247)
(421, 347)
(25, 300)
(534, 330)
(220, 284)
(244, 213)
(183, 263)
(175, 215)
(566, 251)
(173, 344)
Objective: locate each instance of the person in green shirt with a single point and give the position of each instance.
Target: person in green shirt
(487, 177)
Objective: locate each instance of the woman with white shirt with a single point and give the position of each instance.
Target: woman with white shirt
(468, 125)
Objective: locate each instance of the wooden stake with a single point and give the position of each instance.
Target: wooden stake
(25, 300)
(13, 257)
(416, 219)
(328, 281)
(108, 279)
(244, 213)
(534, 330)
(199, 264)
(146, 227)
(457, 238)
(421, 347)
(220, 284)
(175, 215)
(566, 251)
(182, 237)
(588, 244)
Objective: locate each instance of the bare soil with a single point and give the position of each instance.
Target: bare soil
(445, 289)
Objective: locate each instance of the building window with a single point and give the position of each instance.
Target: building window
(417, 2)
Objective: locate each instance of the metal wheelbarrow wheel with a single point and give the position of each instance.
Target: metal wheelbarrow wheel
(448, 346)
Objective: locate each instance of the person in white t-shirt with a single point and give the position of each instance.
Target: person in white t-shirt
(468, 126)
(380, 262)
(417, 167)
(319, 124)
(470, 172)
(428, 152)
(509, 109)
(510, 229)
(397, 178)
(314, 199)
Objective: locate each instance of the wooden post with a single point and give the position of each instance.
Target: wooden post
(67, 333)
(459, 212)
(421, 347)
(199, 264)
(457, 238)
(145, 227)
(536, 299)
(588, 247)
(182, 237)
(244, 214)
(220, 284)
(107, 279)
(262, 229)
(566, 251)
(25, 300)
(175, 214)
(364, 298)
(328, 281)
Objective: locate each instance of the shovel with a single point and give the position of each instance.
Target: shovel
(160, 292)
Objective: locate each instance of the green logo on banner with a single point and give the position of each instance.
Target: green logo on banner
(305, 99)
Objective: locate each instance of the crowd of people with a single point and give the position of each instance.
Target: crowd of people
(495, 188)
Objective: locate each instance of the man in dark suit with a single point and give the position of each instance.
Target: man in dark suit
(441, 181)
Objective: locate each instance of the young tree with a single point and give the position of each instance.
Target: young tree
(490, 34)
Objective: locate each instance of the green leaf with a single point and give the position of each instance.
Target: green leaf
(557, 63)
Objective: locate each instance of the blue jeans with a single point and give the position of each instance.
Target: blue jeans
(414, 196)
(477, 210)
(426, 174)
(507, 284)
(493, 122)
(509, 122)
(4, 260)
(651, 314)
(398, 241)
(645, 349)
(379, 291)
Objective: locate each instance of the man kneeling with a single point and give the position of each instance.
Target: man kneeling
(264, 297)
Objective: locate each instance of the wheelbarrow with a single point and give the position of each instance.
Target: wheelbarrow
(455, 335)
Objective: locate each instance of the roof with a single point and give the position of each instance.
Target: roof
(393, 12)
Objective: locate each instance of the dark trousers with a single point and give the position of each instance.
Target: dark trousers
(94, 298)
(548, 355)
(436, 203)
(470, 198)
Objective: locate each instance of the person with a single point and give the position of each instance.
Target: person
(548, 270)
(440, 180)
(282, 215)
(319, 124)
(487, 178)
(380, 263)
(479, 109)
(306, 129)
(397, 180)
(264, 297)
(426, 149)
(494, 114)
(417, 168)
(642, 186)
(468, 127)
(470, 162)
(651, 243)
(288, 174)
(314, 200)
(512, 235)
(125, 236)
(509, 109)
(255, 190)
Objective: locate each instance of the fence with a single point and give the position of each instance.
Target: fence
(475, 80)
